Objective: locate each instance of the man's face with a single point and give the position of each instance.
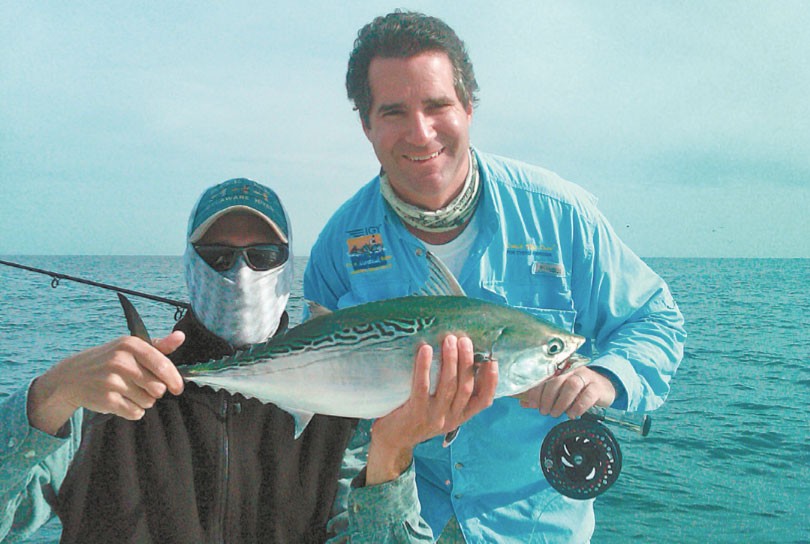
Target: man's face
(418, 127)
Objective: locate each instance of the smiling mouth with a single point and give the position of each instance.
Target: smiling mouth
(422, 158)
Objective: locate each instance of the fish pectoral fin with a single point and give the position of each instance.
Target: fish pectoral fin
(301, 418)
(316, 310)
(449, 437)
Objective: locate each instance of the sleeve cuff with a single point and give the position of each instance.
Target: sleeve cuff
(621, 374)
(380, 505)
(18, 439)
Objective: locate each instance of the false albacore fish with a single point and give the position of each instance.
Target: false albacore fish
(358, 361)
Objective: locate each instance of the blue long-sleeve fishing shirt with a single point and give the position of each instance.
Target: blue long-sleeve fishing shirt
(544, 247)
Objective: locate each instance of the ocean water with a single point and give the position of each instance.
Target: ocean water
(728, 458)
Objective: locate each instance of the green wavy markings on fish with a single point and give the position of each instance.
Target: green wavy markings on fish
(358, 361)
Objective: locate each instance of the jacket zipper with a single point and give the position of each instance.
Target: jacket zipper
(224, 468)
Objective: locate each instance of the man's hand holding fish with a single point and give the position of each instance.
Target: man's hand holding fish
(123, 377)
(461, 393)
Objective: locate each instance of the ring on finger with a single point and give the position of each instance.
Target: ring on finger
(584, 383)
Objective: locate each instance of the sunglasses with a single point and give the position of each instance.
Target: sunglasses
(259, 257)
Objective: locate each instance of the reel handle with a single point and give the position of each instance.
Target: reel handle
(634, 421)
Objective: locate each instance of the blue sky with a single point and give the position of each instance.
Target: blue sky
(688, 120)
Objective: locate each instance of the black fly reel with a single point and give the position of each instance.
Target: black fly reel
(580, 458)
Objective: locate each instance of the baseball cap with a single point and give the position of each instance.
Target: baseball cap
(238, 194)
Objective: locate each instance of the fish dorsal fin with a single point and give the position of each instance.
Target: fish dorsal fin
(440, 280)
(316, 310)
(134, 321)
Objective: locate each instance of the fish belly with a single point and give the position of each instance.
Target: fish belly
(363, 383)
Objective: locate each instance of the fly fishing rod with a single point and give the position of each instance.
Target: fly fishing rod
(180, 306)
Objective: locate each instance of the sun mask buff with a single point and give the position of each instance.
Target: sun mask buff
(241, 305)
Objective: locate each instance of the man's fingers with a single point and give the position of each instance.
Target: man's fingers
(448, 374)
(465, 377)
(597, 390)
(142, 366)
(168, 372)
(586, 399)
(568, 392)
(137, 397)
(573, 394)
(531, 398)
(155, 363)
(149, 383)
(549, 393)
(170, 343)
(486, 382)
(128, 409)
(420, 386)
(120, 396)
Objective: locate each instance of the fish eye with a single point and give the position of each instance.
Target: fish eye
(554, 346)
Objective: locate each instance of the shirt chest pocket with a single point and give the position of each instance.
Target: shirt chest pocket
(534, 291)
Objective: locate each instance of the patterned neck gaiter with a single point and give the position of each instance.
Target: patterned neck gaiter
(452, 216)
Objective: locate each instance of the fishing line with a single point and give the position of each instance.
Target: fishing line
(180, 306)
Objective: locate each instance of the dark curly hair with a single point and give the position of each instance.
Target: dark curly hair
(404, 34)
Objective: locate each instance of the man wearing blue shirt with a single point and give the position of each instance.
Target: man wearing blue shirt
(511, 233)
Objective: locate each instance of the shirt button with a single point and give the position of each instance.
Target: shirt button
(12, 442)
(458, 495)
(419, 252)
(459, 466)
(29, 454)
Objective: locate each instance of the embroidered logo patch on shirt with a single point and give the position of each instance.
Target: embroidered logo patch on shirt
(366, 250)
(533, 250)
